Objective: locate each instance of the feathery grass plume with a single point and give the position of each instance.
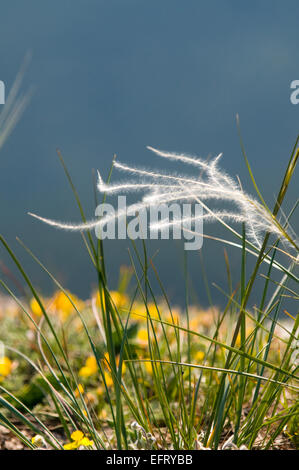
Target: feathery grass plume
(14, 105)
(211, 184)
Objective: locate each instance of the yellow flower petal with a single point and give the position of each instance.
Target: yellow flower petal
(108, 379)
(199, 356)
(85, 442)
(79, 390)
(142, 336)
(149, 367)
(35, 308)
(85, 372)
(91, 362)
(63, 306)
(71, 446)
(5, 366)
(77, 436)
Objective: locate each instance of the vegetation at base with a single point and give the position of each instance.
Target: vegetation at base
(126, 370)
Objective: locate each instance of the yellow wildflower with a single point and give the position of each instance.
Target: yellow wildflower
(152, 310)
(79, 440)
(35, 307)
(194, 324)
(85, 372)
(142, 336)
(108, 373)
(91, 362)
(140, 312)
(79, 390)
(173, 317)
(149, 367)
(85, 442)
(71, 446)
(77, 435)
(5, 366)
(199, 356)
(89, 368)
(249, 330)
(117, 298)
(107, 363)
(63, 306)
(108, 379)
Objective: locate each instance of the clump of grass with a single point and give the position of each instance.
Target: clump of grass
(126, 370)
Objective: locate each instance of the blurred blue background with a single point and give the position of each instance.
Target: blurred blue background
(114, 76)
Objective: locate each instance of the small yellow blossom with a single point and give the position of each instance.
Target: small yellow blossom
(71, 446)
(79, 440)
(77, 435)
(5, 366)
(142, 336)
(85, 372)
(107, 363)
(149, 367)
(152, 310)
(194, 324)
(89, 368)
(199, 356)
(35, 307)
(107, 374)
(79, 390)
(91, 362)
(85, 442)
(108, 379)
(249, 330)
(140, 312)
(106, 358)
(63, 306)
(117, 298)
(173, 317)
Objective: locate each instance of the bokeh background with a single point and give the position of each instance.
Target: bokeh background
(114, 76)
